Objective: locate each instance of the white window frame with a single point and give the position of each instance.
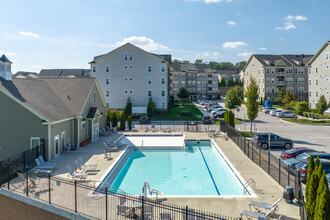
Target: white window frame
(316, 82)
(163, 105)
(107, 81)
(300, 81)
(94, 69)
(125, 56)
(130, 56)
(130, 92)
(161, 93)
(316, 93)
(125, 92)
(107, 67)
(130, 67)
(125, 67)
(34, 138)
(131, 79)
(148, 68)
(107, 93)
(125, 79)
(59, 145)
(161, 68)
(161, 81)
(149, 78)
(82, 124)
(150, 93)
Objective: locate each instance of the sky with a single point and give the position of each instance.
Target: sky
(39, 34)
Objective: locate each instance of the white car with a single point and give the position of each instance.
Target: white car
(274, 112)
(218, 110)
(287, 115)
(268, 109)
(223, 97)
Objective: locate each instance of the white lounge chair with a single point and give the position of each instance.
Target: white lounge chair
(101, 132)
(121, 210)
(133, 126)
(168, 129)
(106, 154)
(109, 149)
(43, 162)
(83, 169)
(146, 128)
(35, 185)
(75, 175)
(42, 167)
(86, 164)
(157, 192)
(258, 205)
(257, 215)
(153, 128)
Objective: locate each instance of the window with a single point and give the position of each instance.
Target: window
(316, 70)
(310, 94)
(273, 80)
(130, 56)
(300, 71)
(108, 104)
(267, 71)
(317, 94)
(268, 80)
(149, 80)
(258, 71)
(263, 80)
(107, 69)
(82, 124)
(131, 79)
(300, 89)
(126, 79)
(130, 67)
(290, 88)
(289, 80)
(131, 92)
(309, 82)
(107, 81)
(149, 69)
(316, 81)
(163, 92)
(326, 56)
(94, 69)
(273, 70)
(162, 68)
(162, 80)
(34, 142)
(125, 91)
(125, 56)
(268, 89)
(309, 70)
(125, 67)
(273, 89)
(107, 93)
(163, 104)
(258, 80)
(300, 80)
(289, 71)
(149, 93)
(94, 97)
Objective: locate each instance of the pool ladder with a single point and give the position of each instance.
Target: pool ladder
(248, 183)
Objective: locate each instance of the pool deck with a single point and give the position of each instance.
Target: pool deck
(266, 189)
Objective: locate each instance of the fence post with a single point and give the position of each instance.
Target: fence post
(75, 196)
(160, 125)
(106, 203)
(24, 166)
(279, 171)
(49, 189)
(268, 162)
(27, 183)
(173, 126)
(288, 178)
(37, 151)
(8, 172)
(187, 213)
(248, 150)
(142, 210)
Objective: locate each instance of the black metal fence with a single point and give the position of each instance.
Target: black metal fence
(101, 203)
(175, 126)
(269, 163)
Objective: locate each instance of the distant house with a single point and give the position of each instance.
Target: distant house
(24, 74)
(54, 112)
(227, 74)
(57, 73)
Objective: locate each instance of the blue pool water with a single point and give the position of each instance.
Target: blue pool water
(196, 170)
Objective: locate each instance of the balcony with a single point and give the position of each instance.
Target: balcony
(280, 83)
(280, 73)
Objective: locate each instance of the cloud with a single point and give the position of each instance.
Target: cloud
(28, 34)
(7, 53)
(262, 48)
(143, 42)
(191, 0)
(296, 18)
(232, 23)
(245, 55)
(208, 55)
(232, 45)
(287, 26)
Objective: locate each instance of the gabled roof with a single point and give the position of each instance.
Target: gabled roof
(203, 68)
(25, 74)
(92, 112)
(56, 73)
(125, 45)
(54, 99)
(318, 53)
(4, 59)
(227, 72)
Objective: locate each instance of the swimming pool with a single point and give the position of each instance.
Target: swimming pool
(196, 170)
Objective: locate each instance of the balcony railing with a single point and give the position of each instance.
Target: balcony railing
(280, 83)
(280, 73)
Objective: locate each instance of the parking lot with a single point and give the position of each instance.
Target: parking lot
(312, 136)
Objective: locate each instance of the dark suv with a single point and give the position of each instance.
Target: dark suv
(261, 140)
(207, 120)
(144, 120)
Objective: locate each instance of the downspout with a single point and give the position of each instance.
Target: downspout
(49, 142)
(78, 131)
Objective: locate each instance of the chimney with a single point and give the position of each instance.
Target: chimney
(5, 68)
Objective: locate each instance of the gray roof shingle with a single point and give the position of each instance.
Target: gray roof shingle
(283, 60)
(63, 73)
(53, 98)
(4, 59)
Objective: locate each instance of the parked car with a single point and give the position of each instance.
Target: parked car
(206, 102)
(302, 167)
(293, 152)
(214, 107)
(292, 162)
(144, 120)
(199, 101)
(287, 114)
(274, 112)
(207, 120)
(223, 97)
(219, 114)
(268, 109)
(261, 140)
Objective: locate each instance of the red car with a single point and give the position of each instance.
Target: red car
(292, 153)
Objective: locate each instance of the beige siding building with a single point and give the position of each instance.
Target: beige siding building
(276, 72)
(51, 113)
(319, 75)
(129, 71)
(200, 80)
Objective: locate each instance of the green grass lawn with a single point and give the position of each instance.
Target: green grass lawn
(306, 121)
(188, 113)
(217, 120)
(247, 133)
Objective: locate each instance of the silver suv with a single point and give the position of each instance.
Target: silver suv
(268, 109)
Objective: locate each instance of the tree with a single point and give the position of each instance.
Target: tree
(128, 108)
(234, 97)
(280, 95)
(176, 61)
(288, 97)
(240, 65)
(198, 61)
(122, 121)
(151, 107)
(226, 117)
(321, 105)
(230, 82)
(311, 200)
(222, 82)
(114, 119)
(231, 119)
(183, 93)
(252, 95)
(129, 122)
(310, 170)
(170, 105)
(322, 210)
(185, 61)
(302, 107)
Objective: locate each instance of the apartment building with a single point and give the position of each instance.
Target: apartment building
(129, 71)
(319, 75)
(200, 80)
(276, 72)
